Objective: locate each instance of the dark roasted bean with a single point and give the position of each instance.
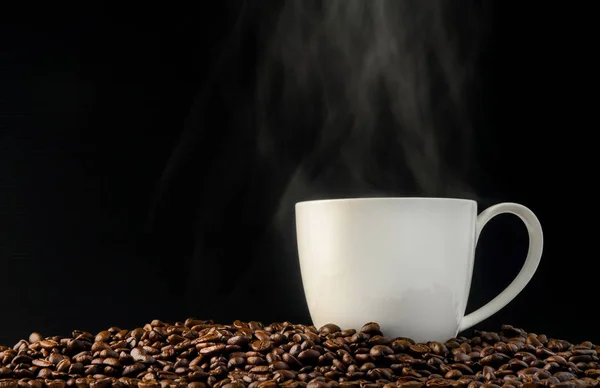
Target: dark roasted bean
(420, 349)
(380, 351)
(439, 348)
(371, 328)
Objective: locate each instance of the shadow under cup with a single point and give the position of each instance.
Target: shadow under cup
(405, 263)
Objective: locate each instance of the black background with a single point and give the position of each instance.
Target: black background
(93, 103)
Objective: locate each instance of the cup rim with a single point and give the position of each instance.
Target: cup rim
(374, 199)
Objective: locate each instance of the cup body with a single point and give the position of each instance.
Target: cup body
(405, 263)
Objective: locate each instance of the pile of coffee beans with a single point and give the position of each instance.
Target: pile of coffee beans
(201, 354)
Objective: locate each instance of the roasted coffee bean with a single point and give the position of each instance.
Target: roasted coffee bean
(495, 359)
(461, 357)
(438, 348)
(516, 364)
(42, 363)
(453, 374)
(262, 346)
(371, 328)
(420, 349)
(329, 329)
(380, 351)
(564, 376)
(308, 356)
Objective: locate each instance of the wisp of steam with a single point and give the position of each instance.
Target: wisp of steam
(374, 95)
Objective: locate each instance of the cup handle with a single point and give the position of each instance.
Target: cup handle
(534, 254)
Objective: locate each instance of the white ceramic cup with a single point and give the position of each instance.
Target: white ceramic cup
(405, 263)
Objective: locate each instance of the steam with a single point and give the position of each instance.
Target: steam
(370, 95)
